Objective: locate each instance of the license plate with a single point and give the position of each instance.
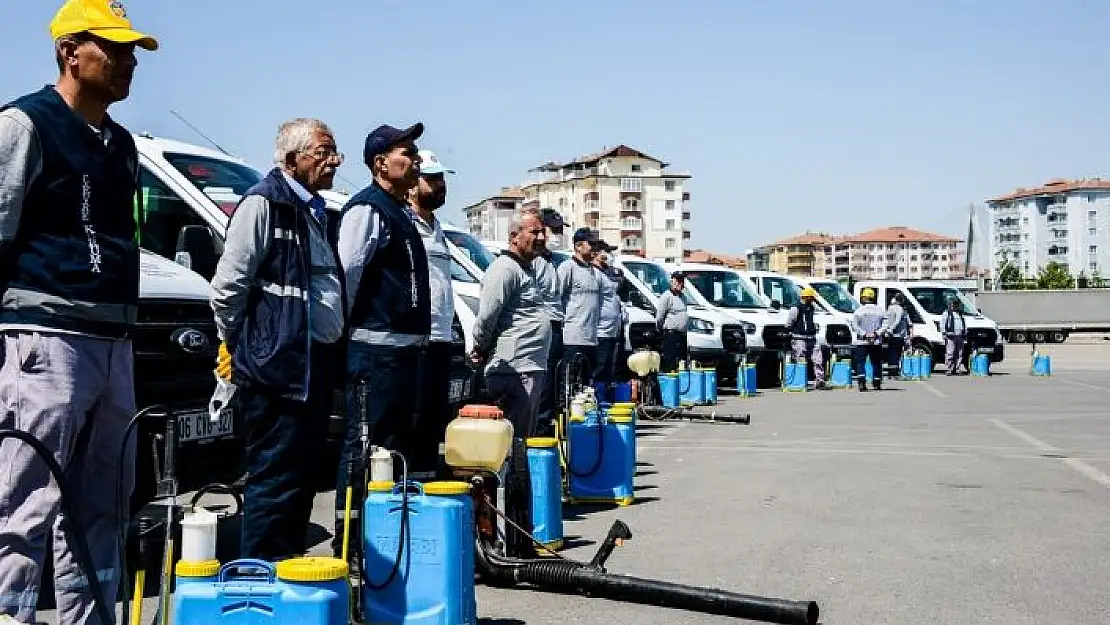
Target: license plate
(458, 389)
(986, 350)
(196, 426)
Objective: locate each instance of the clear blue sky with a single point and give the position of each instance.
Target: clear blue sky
(836, 116)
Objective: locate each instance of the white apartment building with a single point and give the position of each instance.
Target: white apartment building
(892, 253)
(488, 220)
(628, 196)
(1066, 221)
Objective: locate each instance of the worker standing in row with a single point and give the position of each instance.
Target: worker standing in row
(898, 331)
(277, 299)
(672, 319)
(868, 327)
(68, 176)
(954, 327)
(803, 334)
(611, 319)
(433, 401)
(388, 303)
(579, 284)
(547, 280)
(512, 332)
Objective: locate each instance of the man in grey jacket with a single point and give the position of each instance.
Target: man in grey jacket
(954, 327)
(610, 326)
(671, 318)
(898, 330)
(580, 290)
(548, 280)
(868, 327)
(512, 333)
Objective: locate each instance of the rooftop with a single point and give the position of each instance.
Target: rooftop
(711, 258)
(592, 159)
(896, 234)
(807, 238)
(1053, 187)
(506, 193)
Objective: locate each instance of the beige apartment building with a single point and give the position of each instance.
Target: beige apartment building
(488, 220)
(891, 253)
(628, 196)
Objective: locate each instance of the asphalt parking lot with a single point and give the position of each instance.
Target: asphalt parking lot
(958, 500)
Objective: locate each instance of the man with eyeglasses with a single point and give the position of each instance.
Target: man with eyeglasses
(70, 291)
(388, 305)
(278, 304)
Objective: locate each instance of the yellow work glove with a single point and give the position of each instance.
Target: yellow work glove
(223, 363)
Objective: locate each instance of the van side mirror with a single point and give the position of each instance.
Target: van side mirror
(196, 250)
(777, 305)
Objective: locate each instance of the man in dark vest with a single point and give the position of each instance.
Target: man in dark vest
(278, 303)
(69, 278)
(803, 335)
(388, 304)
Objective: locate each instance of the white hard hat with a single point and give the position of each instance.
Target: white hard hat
(430, 165)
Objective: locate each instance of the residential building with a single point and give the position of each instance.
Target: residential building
(489, 219)
(712, 258)
(891, 253)
(1065, 221)
(797, 255)
(759, 258)
(628, 196)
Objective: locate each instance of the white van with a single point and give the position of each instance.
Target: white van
(189, 194)
(782, 292)
(639, 330)
(832, 295)
(925, 303)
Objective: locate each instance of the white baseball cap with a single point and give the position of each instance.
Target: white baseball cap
(430, 165)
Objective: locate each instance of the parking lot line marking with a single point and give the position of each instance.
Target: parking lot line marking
(1076, 464)
(932, 389)
(1083, 385)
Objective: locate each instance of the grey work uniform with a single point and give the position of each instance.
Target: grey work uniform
(954, 327)
(580, 289)
(513, 332)
(548, 282)
(72, 389)
(671, 317)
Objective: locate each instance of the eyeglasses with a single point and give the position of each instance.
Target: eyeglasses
(322, 154)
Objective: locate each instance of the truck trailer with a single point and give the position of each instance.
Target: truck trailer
(1046, 315)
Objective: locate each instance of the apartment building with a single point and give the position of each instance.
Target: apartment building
(891, 253)
(488, 220)
(1066, 221)
(628, 196)
(713, 258)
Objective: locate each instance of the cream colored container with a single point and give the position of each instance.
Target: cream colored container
(479, 439)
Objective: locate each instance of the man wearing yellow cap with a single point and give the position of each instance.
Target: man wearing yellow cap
(70, 289)
(869, 325)
(803, 335)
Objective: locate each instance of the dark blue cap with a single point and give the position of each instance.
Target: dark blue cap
(383, 138)
(585, 234)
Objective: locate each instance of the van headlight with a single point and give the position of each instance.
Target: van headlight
(701, 326)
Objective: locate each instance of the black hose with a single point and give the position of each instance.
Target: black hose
(563, 451)
(71, 518)
(219, 488)
(123, 511)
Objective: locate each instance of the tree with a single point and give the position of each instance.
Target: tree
(1009, 275)
(1054, 276)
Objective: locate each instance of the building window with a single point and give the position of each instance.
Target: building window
(668, 185)
(1093, 249)
(670, 224)
(635, 169)
(669, 261)
(670, 205)
(670, 243)
(1091, 231)
(631, 185)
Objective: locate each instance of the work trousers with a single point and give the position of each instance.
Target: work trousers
(605, 362)
(895, 346)
(388, 375)
(953, 353)
(285, 441)
(861, 354)
(518, 397)
(550, 393)
(76, 395)
(810, 349)
(433, 406)
(674, 350)
(582, 368)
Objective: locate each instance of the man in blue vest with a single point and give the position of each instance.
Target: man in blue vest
(388, 302)
(803, 335)
(69, 278)
(278, 303)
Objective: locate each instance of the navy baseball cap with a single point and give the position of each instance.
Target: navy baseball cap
(383, 138)
(585, 234)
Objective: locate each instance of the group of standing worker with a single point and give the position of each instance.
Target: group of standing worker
(878, 335)
(537, 322)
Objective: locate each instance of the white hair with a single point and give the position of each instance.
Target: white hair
(516, 222)
(296, 135)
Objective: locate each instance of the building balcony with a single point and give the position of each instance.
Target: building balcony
(632, 185)
(631, 206)
(632, 225)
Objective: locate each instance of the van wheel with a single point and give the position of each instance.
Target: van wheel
(1040, 337)
(1058, 337)
(1017, 336)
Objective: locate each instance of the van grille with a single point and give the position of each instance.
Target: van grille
(838, 334)
(643, 334)
(981, 337)
(165, 372)
(775, 337)
(733, 338)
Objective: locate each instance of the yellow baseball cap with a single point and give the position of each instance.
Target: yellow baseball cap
(106, 19)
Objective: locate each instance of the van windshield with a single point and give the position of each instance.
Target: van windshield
(656, 279)
(224, 182)
(935, 299)
(836, 295)
(472, 247)
(783, 290)
(724, 289)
